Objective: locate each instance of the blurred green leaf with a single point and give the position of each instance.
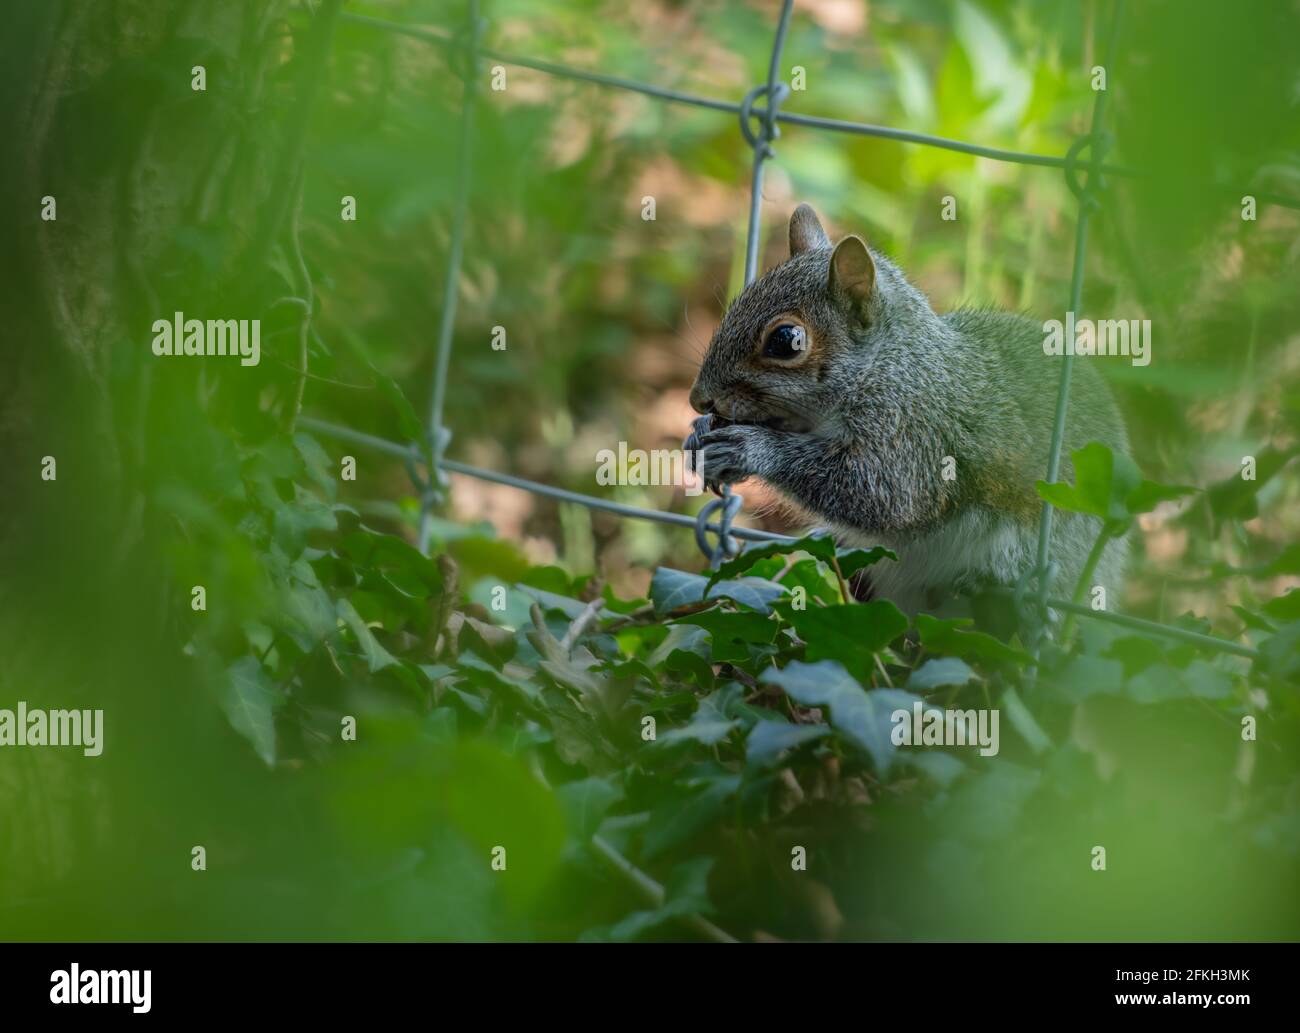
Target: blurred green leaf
(376, 656)
(249, 698)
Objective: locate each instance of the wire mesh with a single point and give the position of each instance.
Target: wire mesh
(467, 48)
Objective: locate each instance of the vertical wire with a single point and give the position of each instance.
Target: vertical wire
(762, 148)
(451, 281)
(1076, 299)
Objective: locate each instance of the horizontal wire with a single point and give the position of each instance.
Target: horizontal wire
(838, 125)
(537, 488)
(752, 534)
(1169, 631)
(412, 453)
(834, 125)
(547, 67)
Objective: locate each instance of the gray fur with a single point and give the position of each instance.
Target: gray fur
(856, 433)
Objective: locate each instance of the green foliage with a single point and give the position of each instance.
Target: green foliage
(772, 692)
(718, 716)
(1108, 486)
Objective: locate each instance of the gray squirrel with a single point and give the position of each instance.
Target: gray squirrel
(832, 379)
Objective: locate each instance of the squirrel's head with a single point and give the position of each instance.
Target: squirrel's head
(774, 357)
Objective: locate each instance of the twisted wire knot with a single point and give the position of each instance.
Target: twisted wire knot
(430, 488)
(727, 505)
(770, 130)
(464, 44)
(1097, 144)
(1030, 599)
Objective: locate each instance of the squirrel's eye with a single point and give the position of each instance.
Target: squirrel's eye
(785, 342)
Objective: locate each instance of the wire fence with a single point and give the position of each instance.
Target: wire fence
(714, 530)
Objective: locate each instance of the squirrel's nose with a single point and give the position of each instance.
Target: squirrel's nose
(700, 400)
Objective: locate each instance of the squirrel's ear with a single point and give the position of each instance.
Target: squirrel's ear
(806, 232)
(853, 273)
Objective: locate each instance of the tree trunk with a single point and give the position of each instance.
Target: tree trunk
(162, 194)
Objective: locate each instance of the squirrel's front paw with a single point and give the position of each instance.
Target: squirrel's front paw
(729, 453)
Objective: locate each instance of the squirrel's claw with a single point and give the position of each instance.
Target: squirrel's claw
(724, 452)
(692, 446)
(700, 426)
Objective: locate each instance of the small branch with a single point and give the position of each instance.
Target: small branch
(648, 615)
(581, 623)
(269, 646)
(654, 893)
(444, 604)
(304, 325)
(316, 49)
(790, 561)
(845, 597)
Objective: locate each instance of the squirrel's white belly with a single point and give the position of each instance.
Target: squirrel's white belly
(975, 545)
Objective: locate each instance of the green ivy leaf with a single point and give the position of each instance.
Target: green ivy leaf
(618, 605)
(685, 893)
(571, 608)
(481, 556)
(1206, 681)
(670, 589)
(320, 468)
(1281, 652)
(1109, 486)
(1252, 619)
(853, 560)
(1148, 494)
(1235, 498)
(817, 582)
(306, 611)
(768, 739)
(249, 698)
(934, 674)
(295, 520)
(1286, 562)
(585, 802)
(863, 718)
(733, 633)
(755, 592)
(950, 638)
(1023, 722)
(488, 790)
(676, 819)
(1092, 491)
(986, 810)
(941, 767)
(1085, 676)
(483, 673)
(377, 657)
(685, 650)
(708, 725)
(1285, 608)
(821, 546)
(412, 427)
(851, 633)
(389, 553)
(549, 579)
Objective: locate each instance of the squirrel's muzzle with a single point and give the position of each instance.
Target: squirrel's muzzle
(701, 400)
